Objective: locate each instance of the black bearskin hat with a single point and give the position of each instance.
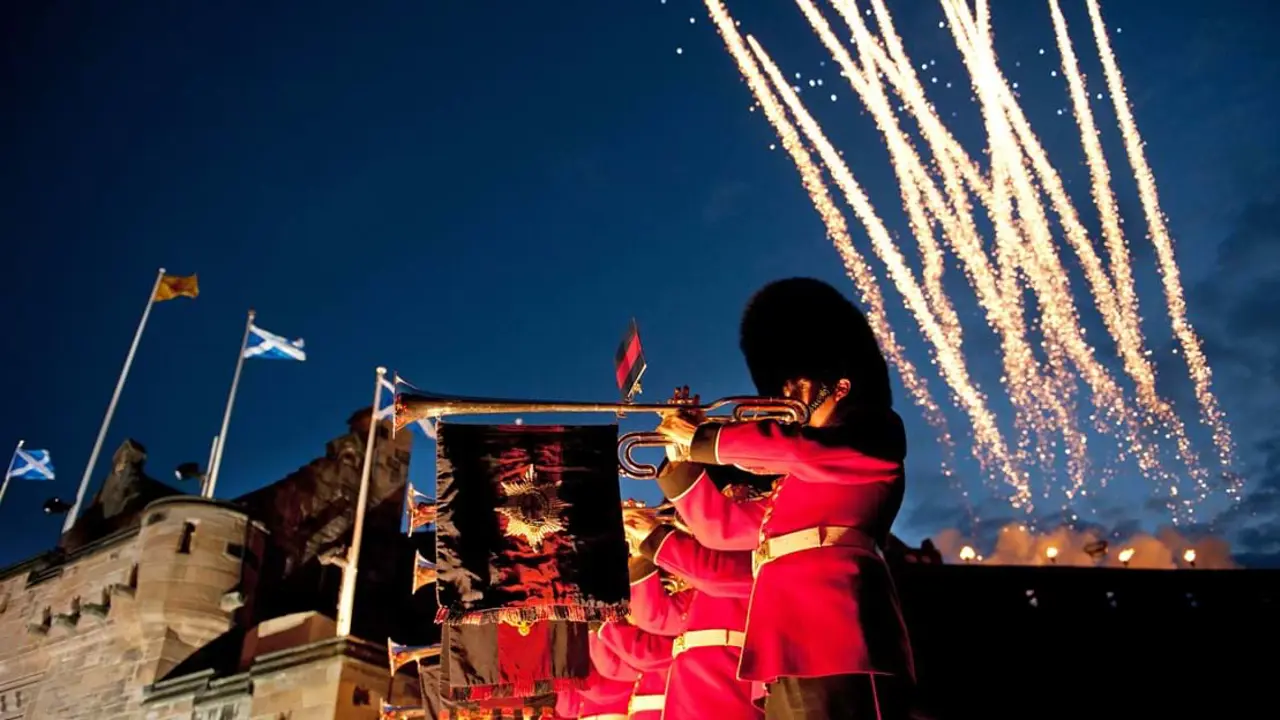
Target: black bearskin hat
(803, 327)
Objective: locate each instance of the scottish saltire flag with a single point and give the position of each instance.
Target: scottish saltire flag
(387, 405)
(269, 346)
(386, 409)
(30, 465)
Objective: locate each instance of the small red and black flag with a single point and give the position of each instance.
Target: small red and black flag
(527, 524)
(629, 364)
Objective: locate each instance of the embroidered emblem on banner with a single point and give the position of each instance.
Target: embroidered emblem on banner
(533, 508)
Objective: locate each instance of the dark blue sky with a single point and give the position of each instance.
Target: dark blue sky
(481, 194)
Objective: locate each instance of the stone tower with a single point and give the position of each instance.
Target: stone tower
(198, 565)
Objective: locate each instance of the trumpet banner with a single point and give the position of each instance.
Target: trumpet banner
(528, 526)
(497, 665)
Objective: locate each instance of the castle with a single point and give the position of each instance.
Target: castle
(165, 606)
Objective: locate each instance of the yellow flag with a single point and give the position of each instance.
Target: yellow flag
(174, 286)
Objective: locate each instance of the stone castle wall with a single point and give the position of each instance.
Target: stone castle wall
(86, 629)
(81, 639)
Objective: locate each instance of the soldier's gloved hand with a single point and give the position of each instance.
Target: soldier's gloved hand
(638, 523)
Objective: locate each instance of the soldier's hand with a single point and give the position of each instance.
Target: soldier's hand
(677, 430)
(637, 524)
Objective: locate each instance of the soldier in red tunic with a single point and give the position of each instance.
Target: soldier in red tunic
(824, 630)
(645, 656)
(601, 699)
(707, 620)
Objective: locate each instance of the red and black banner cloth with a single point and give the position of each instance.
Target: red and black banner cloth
(528, 525)
(629, 363)
(485, 663)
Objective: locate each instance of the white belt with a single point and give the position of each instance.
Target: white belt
(606, 716)
(707, 638)
(811, 539)
(644, 703)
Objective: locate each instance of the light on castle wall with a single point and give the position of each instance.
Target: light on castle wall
(1051, 552)
(968, 554)
(1125, 556)
(1189, 555)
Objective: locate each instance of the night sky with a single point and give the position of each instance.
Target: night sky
(480, 195)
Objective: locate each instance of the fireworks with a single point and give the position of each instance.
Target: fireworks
(1045, 355)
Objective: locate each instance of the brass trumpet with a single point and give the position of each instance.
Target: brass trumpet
(420, 510)
(400, 655)
(412, 407)
(424, 571)
(387, 711)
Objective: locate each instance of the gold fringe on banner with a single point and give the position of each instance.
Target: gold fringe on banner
(529, 615)
(480, 693)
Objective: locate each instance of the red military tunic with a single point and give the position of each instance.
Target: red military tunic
(609, 663)
(649, 657)
(823, 602)
(702, 682)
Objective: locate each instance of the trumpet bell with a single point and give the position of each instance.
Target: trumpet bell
(387, 711)
(400, 655)
(424, 572)
(420, 511)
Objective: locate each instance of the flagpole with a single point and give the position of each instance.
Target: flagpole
(5, 485)
(208, 467)
(347, 597)
(111, 407)
(226, 415)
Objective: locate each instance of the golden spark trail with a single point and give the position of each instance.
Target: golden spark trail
(901, 159)
(1104, 292)
(1056, 392)
(983, 11)
(1107, 396)
(950, 362)
(1197, 365)
(1133, 353)
(1125, 323)
(1030, 393)
(811, 178)
(961, 234)
(1048, 277)
(1103, 198)
(1039, 262)
(1010, 253)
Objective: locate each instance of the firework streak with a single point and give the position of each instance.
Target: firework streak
(1044, 354)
